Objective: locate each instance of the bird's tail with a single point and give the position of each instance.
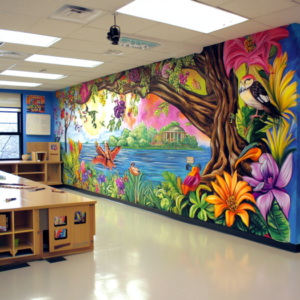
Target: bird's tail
(272, 110)
(110, 164)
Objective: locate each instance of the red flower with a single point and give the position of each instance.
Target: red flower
(62, 114)
(253, 49)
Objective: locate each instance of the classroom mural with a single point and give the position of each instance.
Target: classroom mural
(230, 109)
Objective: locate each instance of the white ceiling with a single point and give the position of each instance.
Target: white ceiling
(89, 41)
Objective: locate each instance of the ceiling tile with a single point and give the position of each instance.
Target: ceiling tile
(90, 34)
(21, 48)
(150, 55)
(78, 45)
(281, 18)
(110, 5)
(131, 61)
(76, 54)
(256, 8)
(8, 61)
(30, 7)
(54, 27)
(168, 32)
(86, 46)
(45, 88)
(22, 79)
(128, 24)
(50, 70)
(240, 30)
(16, 22)
(45, 66)
(215, 2)
(4, 67)
(204, 40)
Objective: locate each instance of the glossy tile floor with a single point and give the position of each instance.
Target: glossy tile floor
(143, 256)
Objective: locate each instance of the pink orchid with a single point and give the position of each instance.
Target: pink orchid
(253, 49)
(269, 183)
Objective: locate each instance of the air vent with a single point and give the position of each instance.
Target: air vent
(113, 52)
(76, 14)
(13, 55)
(137, 44)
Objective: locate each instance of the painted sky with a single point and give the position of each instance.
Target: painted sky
(147, 108)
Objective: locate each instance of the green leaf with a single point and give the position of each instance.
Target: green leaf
(279, 227)
(193, 210)
(202, 215)
(263, 73)
(273, 51)
(144, 91)
(240, 127)
(257, 224)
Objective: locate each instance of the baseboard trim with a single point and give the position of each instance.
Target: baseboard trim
(248, 236)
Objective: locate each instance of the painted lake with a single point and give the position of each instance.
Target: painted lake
(151, 162)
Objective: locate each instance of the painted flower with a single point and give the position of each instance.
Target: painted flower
(229, 196)
(253, 49)
(79, 146)
(126, 178)
(84, 92)
(164, 69)
(269, 183)
(71, 145)
(62, 114)
(85, 176)
(121, 186)
(82, 167)
(97, 189)
(101, 178)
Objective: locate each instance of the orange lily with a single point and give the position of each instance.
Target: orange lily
(230, 194)
(79, 146)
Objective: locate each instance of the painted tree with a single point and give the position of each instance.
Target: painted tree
(215, 113)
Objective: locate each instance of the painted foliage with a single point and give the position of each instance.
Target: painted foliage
(231, 107)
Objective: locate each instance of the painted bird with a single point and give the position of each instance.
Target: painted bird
(192, 181)
(254, 94)
(107, 157)
(134, 170)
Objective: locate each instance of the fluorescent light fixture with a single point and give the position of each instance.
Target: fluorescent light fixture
(65, 61)
(182, 13)
(18, 83)
(17, 37)
(32, 74)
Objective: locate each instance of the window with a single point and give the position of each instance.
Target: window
(10, 126)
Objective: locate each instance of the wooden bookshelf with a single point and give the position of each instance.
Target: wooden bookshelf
(46, 172)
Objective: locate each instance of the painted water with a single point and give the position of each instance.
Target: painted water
(152, 162)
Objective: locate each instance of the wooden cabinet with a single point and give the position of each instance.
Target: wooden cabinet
(47, 172)
(20, 234)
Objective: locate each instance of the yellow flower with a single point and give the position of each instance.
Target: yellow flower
(230, 194)
(282, 93)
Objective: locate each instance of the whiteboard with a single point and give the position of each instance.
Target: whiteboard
(38, 124)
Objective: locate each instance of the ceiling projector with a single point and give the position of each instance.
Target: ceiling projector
(114, 33)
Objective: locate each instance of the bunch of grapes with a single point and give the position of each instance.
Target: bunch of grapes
(134, 75)
(119, 109)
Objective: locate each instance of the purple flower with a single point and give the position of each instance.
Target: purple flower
(101, 179)
(121, 186)
(164, 71)
(85, 176)
(269, 183)
(182, 79)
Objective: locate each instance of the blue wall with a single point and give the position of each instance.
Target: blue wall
(49, 97)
